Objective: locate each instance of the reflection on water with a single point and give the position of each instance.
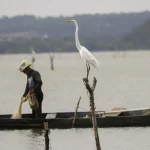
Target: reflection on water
(110, 138)
(36, 132)
(21, 139)
(39, 133)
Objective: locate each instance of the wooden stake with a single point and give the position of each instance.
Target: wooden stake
(46, 135)
(92, 107)
(51, 57)
(33, 57)
(75, 114)
(32, 61)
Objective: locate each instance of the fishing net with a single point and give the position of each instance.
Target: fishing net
(33, 102)
(17, 114)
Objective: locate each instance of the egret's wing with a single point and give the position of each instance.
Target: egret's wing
(88, 57)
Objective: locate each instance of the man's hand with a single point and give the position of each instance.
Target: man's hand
(31, 92)
(23, 99)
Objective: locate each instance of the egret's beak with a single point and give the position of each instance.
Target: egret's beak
(69, 21)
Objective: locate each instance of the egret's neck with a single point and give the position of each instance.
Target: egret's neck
(78, 45)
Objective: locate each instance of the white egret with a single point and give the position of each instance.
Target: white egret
(84, 53)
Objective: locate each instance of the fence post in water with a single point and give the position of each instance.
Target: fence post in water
(46, 135)
(33, 57)
(75, 114)
(92, 107)
(51, 57)
(32, 61)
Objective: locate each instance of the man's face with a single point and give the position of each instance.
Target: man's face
(26, 71)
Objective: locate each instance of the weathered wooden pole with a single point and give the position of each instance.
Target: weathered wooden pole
(46, 135)
(51, 57)
(75, 114)
(92, 108)
(32, 61)
(32, 58)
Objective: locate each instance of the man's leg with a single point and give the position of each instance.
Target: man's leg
(40, 107)
(38, 111)
(33, 114)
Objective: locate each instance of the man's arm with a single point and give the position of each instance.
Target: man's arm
(39, 83)
(24, 98)
(26, 90)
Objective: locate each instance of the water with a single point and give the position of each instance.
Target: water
(122, 82)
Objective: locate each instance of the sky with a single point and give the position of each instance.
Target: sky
(43, 8)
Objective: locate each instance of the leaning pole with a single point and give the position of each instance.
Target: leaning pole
(92, 108)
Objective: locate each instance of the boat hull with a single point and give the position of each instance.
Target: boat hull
(65, 120)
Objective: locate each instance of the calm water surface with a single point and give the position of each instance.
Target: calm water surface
(123, 81)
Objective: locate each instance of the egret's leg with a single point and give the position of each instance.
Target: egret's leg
(88, 69)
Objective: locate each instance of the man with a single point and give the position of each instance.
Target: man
(33, 86)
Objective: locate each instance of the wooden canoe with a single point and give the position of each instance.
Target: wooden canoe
(64, 120)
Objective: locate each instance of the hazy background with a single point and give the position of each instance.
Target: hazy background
(70, 7)
(104, 25)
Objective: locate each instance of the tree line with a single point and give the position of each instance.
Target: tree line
(97, 32)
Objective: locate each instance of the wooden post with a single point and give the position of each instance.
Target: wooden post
(75, 114)
(33, 57)
(92, 107)
(32, 61)
(51, 57)
(46, 135)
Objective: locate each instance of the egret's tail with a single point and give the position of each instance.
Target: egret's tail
(96, 63)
